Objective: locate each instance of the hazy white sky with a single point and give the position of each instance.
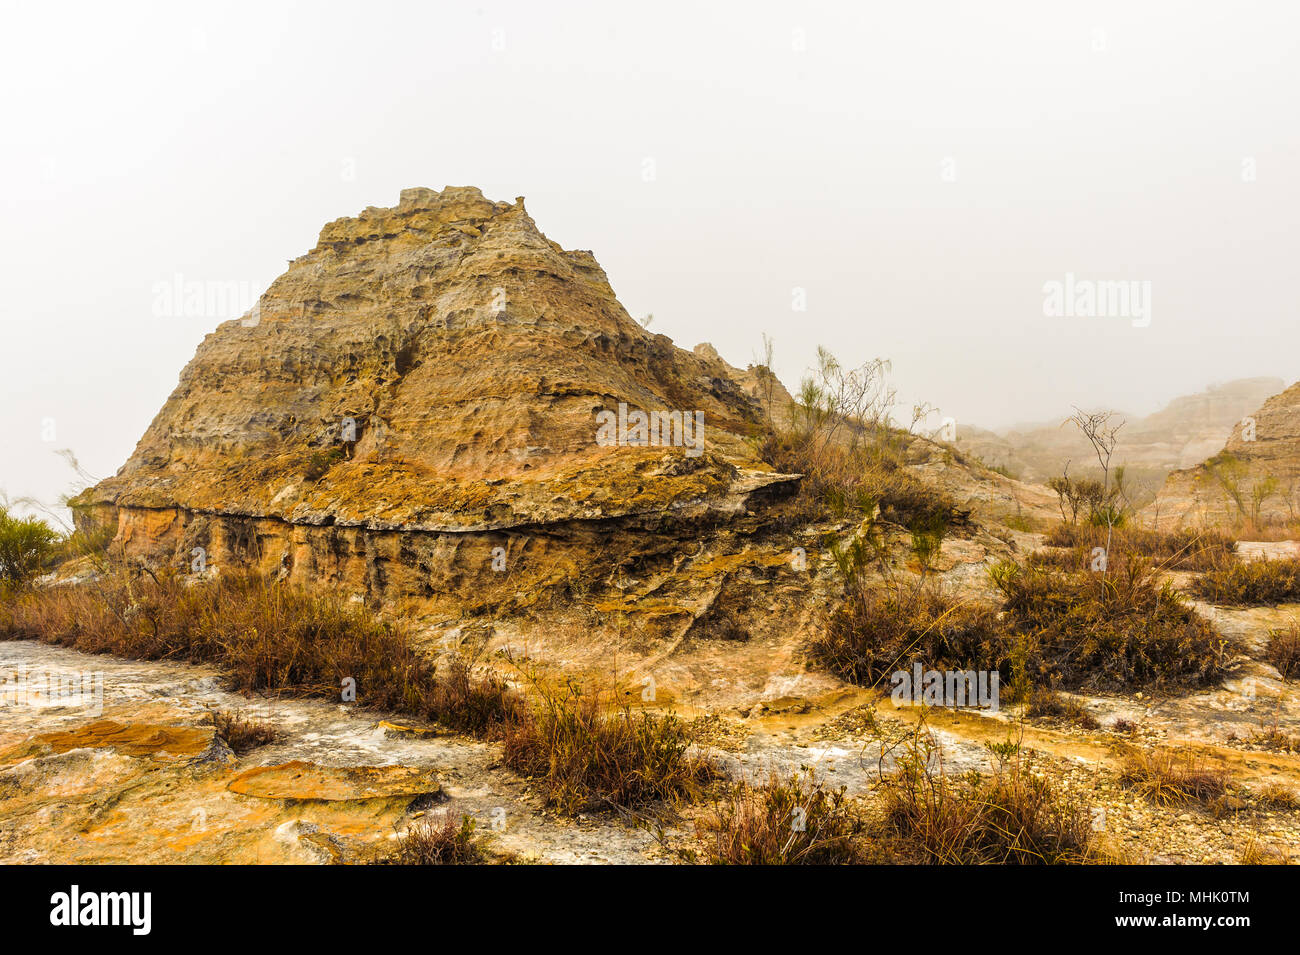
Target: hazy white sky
(919, 169)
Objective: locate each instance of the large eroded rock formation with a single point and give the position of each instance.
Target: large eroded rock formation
(418, 413)
(435, 371)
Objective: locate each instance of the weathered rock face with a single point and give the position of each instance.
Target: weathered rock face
(437, 368)
(1264, 445)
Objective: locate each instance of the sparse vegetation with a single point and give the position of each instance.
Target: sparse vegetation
(1271, 736)
(1232, 476)
(1074, 495)
(264, 635)
(1011, 816)
(271, 636)
(853, 459)
(1168, 550)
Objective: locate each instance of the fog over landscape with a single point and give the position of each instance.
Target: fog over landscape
(910, 178)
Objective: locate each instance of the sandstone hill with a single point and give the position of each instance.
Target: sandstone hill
(1258, 467)
(1184, 433)
(435, 409)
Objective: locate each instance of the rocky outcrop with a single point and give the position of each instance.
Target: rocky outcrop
(431, 382)
(1253, 478)
(437, 409)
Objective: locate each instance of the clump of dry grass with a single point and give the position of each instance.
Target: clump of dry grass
(1010, 817)
(1170, 779)
(588, 755)
(1271, 736)
(1245, 583)
(1258, 853)
(785, 821)
(439, 840)
(1283, 651)
(1046, 702)
(240, 734)
(1277, 795)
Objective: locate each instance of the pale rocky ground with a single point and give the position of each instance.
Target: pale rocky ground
(341, 781)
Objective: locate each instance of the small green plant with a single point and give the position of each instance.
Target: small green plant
(319, 462)
(927, 531)
(1004, 751)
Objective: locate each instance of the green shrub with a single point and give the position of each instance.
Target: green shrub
(28, 547)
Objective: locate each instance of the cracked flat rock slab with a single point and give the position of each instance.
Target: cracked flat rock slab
(129, 739)
(309, 781)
